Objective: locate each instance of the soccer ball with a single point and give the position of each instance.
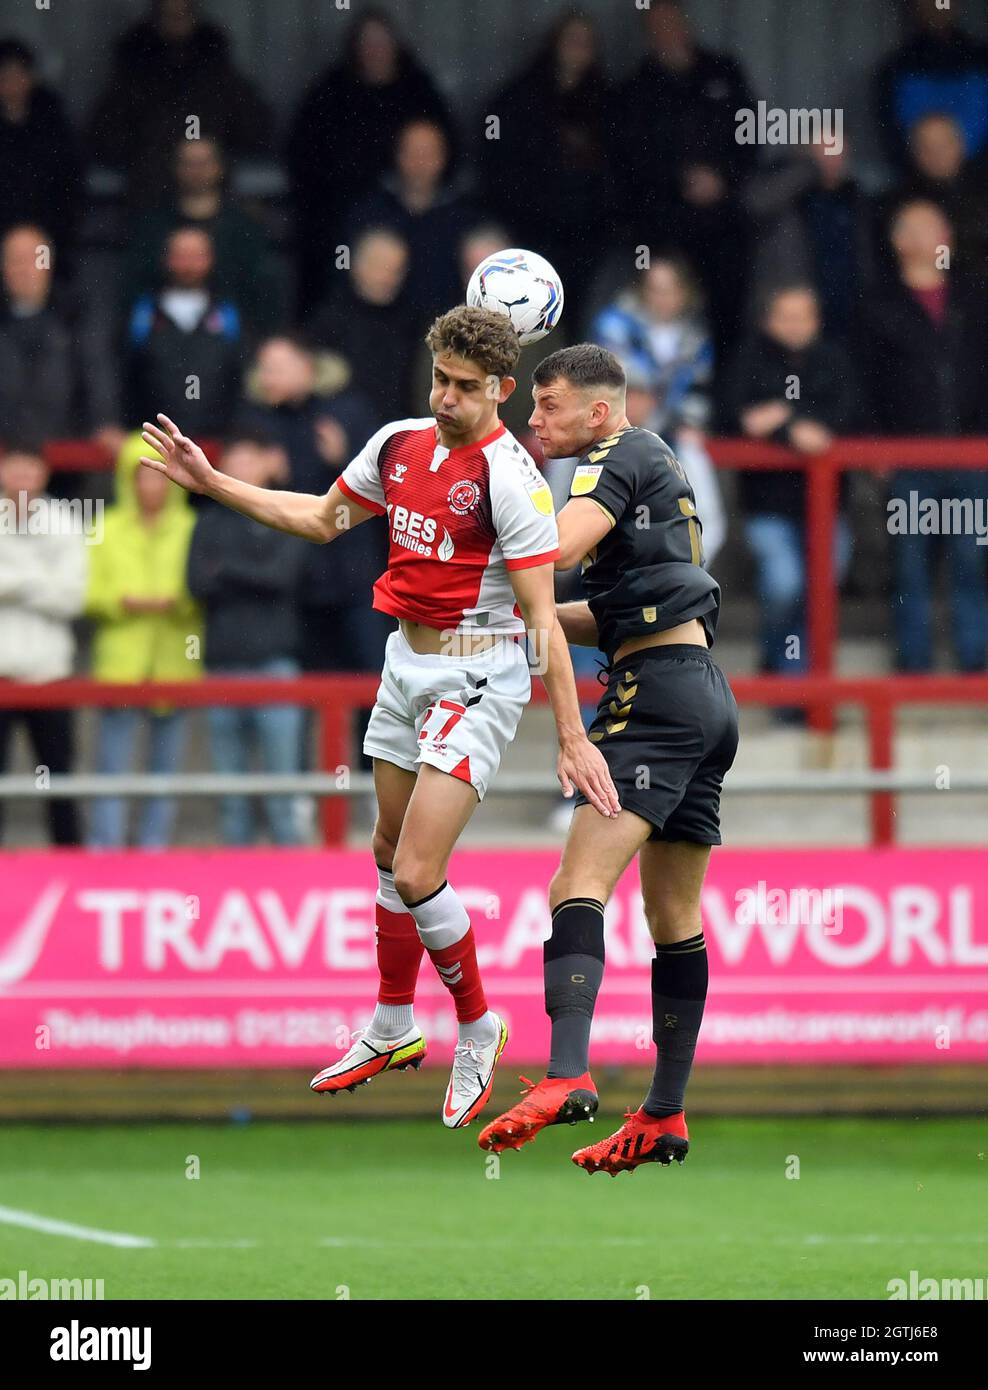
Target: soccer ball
(522, 285)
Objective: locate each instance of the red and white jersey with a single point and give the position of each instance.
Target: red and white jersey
(458, 519)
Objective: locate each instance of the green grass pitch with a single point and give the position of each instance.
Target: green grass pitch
(395, 1210)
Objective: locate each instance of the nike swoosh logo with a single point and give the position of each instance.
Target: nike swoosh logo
(446, 1110)
(23, 949)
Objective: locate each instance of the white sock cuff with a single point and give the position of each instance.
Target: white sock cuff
(387, 894)
(483, 1030)
(391, 1020)
(442, 920)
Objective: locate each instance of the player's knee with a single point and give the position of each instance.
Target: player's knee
(565, 883)
(671, 919)
(559, 888)
(415, 877)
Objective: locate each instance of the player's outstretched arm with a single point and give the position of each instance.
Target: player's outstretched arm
(578, 624)
(580, 764)
(319, 519)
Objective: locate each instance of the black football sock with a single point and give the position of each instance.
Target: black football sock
(679, 991)
(573, 965)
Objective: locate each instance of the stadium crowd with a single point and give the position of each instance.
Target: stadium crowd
(760, 266)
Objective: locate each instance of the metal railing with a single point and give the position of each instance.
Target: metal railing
(336, 698)
(823, 471)
(874, 454)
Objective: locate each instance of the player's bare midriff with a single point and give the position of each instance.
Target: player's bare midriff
(443, 642)
(689, 634)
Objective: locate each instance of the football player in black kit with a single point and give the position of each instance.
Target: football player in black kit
(667, 726)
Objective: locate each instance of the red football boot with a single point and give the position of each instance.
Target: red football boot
(641, 1139)
(556, 1100)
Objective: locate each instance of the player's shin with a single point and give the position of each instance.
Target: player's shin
(573, 965)
(399, 955)
(679, 991)
(445, 931)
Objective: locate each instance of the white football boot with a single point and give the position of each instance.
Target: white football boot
(472, 1078)
(367, 1057)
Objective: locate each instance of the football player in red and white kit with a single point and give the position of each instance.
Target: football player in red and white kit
(472, 547)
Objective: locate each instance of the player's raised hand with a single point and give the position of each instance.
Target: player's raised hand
(180, 459)
(583, 766)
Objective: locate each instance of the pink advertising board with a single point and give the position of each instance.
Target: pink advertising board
(267, 958)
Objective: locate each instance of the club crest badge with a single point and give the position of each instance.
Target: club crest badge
(463, 497)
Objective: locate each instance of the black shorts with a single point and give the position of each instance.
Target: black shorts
(667, 726)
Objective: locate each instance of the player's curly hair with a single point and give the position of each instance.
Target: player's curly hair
(479, 335)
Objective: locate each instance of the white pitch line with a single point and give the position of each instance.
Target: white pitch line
(470, 1243)
(869, 1239)
(197, 1243)
(860, 1238)
(453, 1243)
(31, 1222)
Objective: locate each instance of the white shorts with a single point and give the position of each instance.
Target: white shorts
(456, 713)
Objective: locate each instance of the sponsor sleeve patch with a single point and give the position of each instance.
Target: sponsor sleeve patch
(541, 499)
(585, 479)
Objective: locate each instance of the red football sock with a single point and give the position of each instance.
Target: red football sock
(460, 973)
(399, 955)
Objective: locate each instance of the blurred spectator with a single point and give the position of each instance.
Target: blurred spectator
(646, 409)
(42, 180)
(42, 584)
(658, 332)
(342, 137)
(924, 355)
(300, 399)
(940, 172)
(172, 67)
(681, 162)
(791, 385)
(200, 198)
(428, 210)
(58, 374)
(656, 327)
(146, 628)
(814, 224)
(365, 318)
(482, 240)
(246, 576)
(937, 68)
(551, 189)
(185, 344)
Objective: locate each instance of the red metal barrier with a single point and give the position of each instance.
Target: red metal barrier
(819, 692)
(335, 698)
(85, 456)
(874, 455)
(823, 474)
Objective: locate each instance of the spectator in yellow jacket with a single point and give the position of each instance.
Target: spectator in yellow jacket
(147, 628)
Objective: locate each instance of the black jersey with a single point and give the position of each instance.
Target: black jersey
(646, 575)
